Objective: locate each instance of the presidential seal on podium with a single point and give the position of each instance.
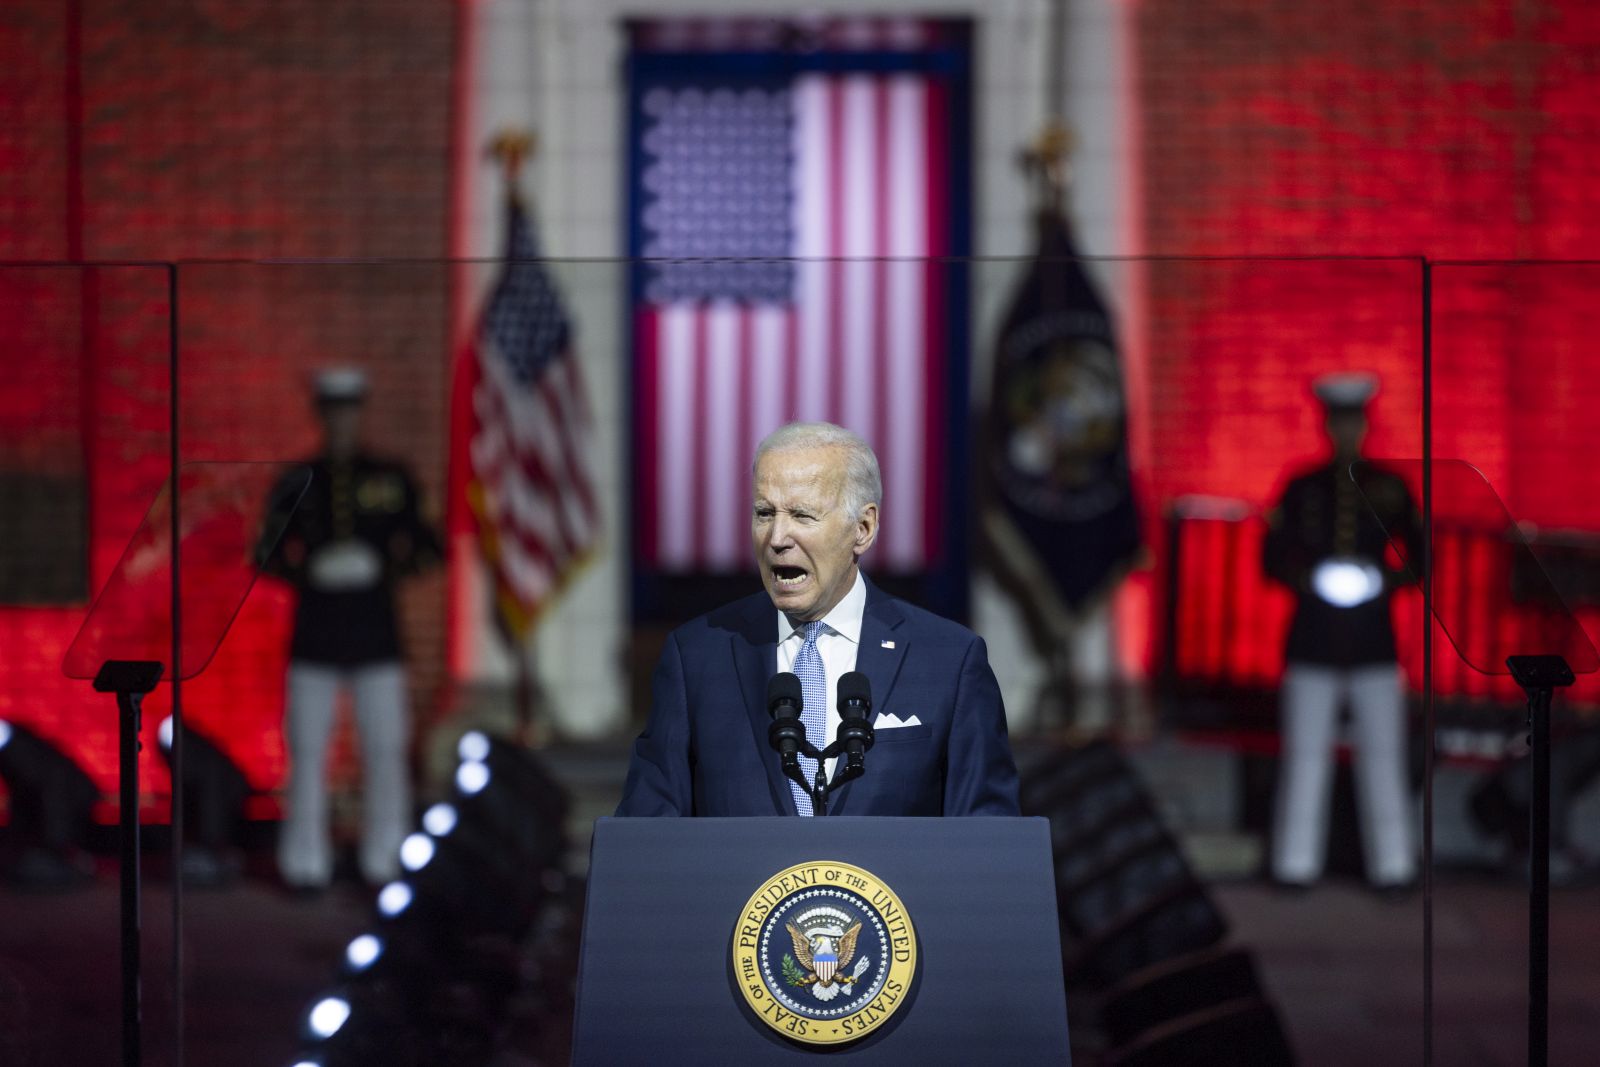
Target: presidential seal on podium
(824, 952)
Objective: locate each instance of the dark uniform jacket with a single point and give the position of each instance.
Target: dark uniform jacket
(1322, 514)
(366, 499)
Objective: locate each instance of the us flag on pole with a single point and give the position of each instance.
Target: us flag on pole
(531, 488)
(794, 189)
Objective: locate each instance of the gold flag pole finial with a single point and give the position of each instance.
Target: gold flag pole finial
(1046, 161)
(511, 148)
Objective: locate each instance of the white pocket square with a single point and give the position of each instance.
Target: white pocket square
(886, 721)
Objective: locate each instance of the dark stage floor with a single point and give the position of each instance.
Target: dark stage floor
(253, 959)
(1344, 967)
(1346, 971)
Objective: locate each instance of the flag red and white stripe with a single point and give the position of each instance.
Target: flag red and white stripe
(860, 341)
(532, 489)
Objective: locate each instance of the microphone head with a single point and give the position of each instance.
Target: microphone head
(784, 691)
(855, 692)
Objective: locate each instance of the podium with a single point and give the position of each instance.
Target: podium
(686, 917)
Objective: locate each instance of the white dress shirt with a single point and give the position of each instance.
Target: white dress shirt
(837, 644)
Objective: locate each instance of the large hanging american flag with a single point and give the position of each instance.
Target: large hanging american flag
(793, 210)
(531, 489)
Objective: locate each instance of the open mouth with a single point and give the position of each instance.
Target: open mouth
(788, 577)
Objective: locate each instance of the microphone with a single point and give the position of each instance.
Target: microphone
(787, 734)
(855, 727)
(784, 701)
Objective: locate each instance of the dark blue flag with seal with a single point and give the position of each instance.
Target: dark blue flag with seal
(1056, 467)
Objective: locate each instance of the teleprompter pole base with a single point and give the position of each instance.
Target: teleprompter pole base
(130, 680)
(1539, 677)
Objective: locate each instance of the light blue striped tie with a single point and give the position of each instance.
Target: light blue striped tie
(814, 691)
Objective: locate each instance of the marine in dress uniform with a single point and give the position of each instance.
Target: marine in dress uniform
(1324, 543)
(356, 534)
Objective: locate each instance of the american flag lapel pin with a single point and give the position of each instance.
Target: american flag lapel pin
(887, 644)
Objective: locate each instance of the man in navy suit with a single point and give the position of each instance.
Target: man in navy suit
(941, 745)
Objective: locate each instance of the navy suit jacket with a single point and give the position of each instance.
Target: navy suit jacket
(705, 751)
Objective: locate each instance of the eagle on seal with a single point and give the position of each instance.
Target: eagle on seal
(825, 953)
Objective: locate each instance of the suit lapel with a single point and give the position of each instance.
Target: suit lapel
(755, 658)
(879, 656)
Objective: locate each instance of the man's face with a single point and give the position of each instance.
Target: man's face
(1347, 430)
(341, 428)
(806, 541)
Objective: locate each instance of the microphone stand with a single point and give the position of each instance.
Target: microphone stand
(819, 787)
(789, 729)
(855, 764)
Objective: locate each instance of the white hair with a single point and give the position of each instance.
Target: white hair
(863, 483)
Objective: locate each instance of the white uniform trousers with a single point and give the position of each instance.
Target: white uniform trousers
(1311, 699)
(378, 691)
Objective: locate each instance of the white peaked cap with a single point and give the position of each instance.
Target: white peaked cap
(341, 383)
(1349, 390)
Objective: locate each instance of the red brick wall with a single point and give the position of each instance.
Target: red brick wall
(160, 129)
(34, 135)
(1455, 131)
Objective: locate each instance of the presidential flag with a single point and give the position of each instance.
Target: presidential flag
(531, 488)
(1056, 446)
(791, 214)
